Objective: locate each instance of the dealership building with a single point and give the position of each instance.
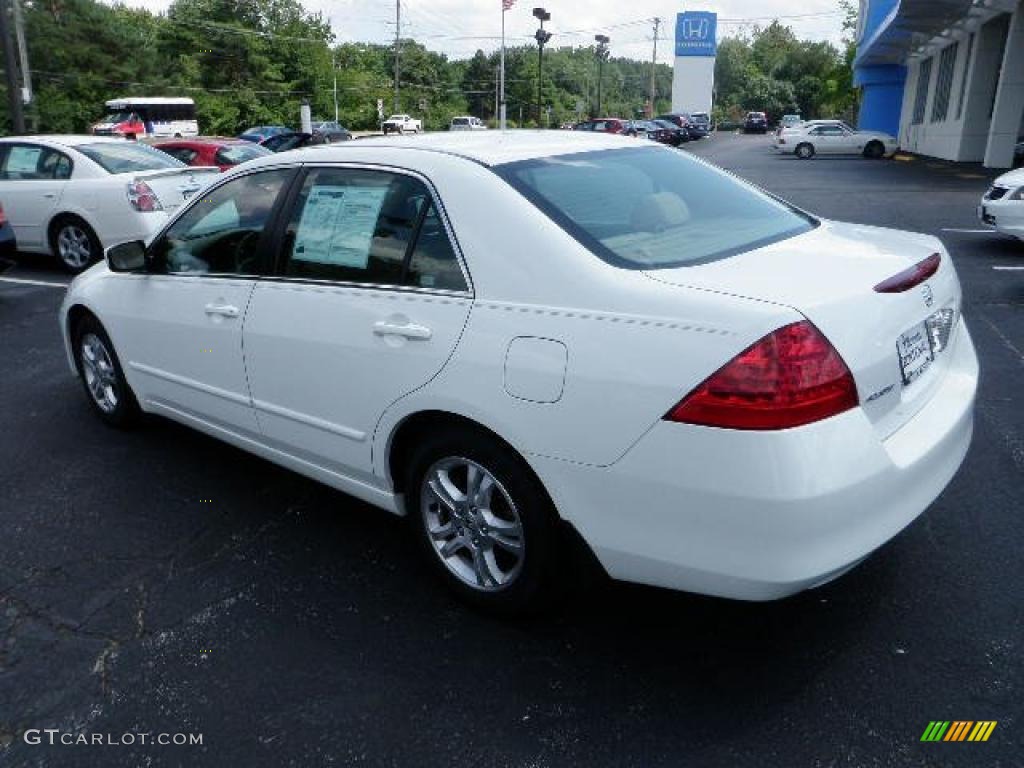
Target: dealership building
(945, 76)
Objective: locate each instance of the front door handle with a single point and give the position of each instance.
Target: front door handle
(408, 330)
(224, 310)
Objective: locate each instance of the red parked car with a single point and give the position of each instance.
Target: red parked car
(602, 125)
(223, 153)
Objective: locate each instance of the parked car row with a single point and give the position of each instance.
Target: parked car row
(674, 128)
(326, 131)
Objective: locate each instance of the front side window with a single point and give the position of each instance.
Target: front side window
(184, 154)
(223, 231)
(373, 227)
(678, 211)
(127, 157)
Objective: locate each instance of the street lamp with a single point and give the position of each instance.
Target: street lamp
(541, 37)
(602, 55)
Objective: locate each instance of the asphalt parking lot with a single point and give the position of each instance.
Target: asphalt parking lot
(158, 581)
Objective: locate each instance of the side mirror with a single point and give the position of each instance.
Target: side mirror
(127, 257)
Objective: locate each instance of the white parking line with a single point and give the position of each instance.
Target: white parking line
(23, 281)
(1008, 269)
(970, 231)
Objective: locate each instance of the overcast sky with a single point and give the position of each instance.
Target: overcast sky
(459, 27)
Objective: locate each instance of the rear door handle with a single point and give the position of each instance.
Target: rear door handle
(408, 330)
(225, 310)
(49, 195)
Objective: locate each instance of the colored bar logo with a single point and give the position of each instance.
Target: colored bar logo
(959, 730)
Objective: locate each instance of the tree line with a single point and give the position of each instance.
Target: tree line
(249, 62)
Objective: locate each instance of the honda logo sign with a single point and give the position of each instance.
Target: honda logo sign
(696, 33)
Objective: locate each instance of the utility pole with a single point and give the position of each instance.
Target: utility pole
(602, 53)
(542, 38)
(497, 105)
(654, 63)
(398, 34)
(11, 67)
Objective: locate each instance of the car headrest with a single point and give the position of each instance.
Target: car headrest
(659, 211)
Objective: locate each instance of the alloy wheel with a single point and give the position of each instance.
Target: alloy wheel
(473, 524)
(99, 372)
(74, 246)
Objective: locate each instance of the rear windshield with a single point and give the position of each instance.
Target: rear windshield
(233, 154)
(460, 121)
(115, 157)
(653, 208)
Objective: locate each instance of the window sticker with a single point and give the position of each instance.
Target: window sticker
(337, 225)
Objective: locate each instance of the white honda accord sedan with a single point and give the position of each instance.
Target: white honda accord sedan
(507, 338)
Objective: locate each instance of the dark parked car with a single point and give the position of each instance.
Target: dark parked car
(756, 122)
(282, 142)
(223, 153)
(649, 129)
(258, 133)
(693, 129)
(675, 135)
(603, 125)
(331, 131)
(8, 244)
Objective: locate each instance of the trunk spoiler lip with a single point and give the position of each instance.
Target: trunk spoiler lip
(903, 281)
(158, 173)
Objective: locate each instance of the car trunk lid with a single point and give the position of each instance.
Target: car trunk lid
(173, 186)
(890, 341)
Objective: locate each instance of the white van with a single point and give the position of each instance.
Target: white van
(467, 123)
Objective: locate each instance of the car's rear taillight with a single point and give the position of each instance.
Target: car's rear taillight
(908, 278)
(3, 216)
(141, 196)
(791, 377)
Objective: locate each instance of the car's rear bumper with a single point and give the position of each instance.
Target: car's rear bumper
(762, 515)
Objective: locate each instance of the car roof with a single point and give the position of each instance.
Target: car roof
(494, 148)
(66, 139)
(201, 140)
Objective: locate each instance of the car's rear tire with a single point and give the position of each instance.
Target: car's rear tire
(74, 244)
(875, 150)
(482, 521)
(102, 376)
(805, 151)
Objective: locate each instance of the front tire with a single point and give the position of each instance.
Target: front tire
(874, 150)
(805, 151)
(74, 244)
(102, 376)
(482, 520)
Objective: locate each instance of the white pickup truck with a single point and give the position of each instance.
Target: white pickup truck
(402, 124)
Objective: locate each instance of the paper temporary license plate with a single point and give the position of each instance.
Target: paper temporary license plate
(915, 350)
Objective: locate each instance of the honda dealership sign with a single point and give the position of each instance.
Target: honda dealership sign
(696, 47)
(696, 33)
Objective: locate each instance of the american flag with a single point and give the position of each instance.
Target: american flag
(506, 5)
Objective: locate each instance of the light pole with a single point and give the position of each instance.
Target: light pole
(602, 53)
(541, 37)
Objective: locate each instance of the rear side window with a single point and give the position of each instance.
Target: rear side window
(25, 161)
(651, 208)
(184, 154)
(233, 154)
(373, 227)
(460, 121)
(127, 157)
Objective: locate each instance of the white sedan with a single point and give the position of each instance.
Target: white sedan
(71, 196)
(833, 137)
(510, 337)
(1002, 206)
